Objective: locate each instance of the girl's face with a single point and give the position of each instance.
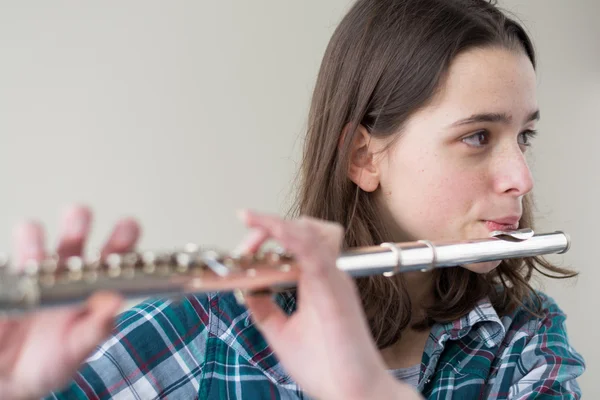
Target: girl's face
(458, 170)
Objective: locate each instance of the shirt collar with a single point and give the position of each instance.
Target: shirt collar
(484, 318)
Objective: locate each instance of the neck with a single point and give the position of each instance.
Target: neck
(408, 350)
(419, 286)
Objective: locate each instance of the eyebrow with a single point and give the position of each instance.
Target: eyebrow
(494, 117)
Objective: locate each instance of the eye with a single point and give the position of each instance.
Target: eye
(525, 137)
(478, 139)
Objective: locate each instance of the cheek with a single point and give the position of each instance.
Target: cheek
(433, 200)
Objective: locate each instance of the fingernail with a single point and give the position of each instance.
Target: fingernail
(125, 234)
(242, 214)
(32, 245)
(76, 222)
(76, 226)
(243, 246)
(33, 249)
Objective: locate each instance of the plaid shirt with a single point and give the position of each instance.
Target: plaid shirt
(207, 347)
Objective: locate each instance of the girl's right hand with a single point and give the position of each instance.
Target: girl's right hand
(325, 345)
(41, 351)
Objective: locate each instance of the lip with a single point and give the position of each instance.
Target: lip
(510, 223)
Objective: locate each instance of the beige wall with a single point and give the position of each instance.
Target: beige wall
(180, 112)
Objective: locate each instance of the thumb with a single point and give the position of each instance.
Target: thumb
(268, 317)
(93, 325)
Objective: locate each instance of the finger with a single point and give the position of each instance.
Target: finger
(94, 323)
(252, 242)
(90, 326)
(123, 237)
(28, 238)
(279, 229)
(314, 243)
(268, 317)
(73, 332)
(74, 230)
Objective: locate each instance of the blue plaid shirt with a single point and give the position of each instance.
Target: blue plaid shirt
(207, 347)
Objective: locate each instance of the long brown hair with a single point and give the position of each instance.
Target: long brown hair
(385, 60)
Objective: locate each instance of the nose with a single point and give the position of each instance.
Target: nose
(512, 173)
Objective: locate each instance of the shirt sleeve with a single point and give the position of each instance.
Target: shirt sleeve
(156, 350)
(548, 365)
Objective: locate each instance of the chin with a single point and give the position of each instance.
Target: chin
(482, 267)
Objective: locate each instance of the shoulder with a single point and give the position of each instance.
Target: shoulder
(156, 347)
(213, 319)
(537, 314)
(178, 347)
(212, 313)
(537, 336)
(179, 321)
(153, 315)
(536, 356)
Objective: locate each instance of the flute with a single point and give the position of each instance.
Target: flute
(54, 282)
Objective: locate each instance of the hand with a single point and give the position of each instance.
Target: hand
(41, 351)
(325, 345)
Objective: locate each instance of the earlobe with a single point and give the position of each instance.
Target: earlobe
(362, 168)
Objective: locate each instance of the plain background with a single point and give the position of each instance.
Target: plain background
(178, 113)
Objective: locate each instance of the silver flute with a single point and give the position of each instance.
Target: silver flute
(54, 282)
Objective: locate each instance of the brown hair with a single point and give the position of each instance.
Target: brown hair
(386, 60)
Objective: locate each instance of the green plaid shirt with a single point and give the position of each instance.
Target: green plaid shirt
(207, 347)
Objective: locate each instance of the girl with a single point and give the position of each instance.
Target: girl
(420, 122)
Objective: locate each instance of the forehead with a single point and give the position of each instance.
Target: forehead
(488, 80)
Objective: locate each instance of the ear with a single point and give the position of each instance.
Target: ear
(362, 167)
